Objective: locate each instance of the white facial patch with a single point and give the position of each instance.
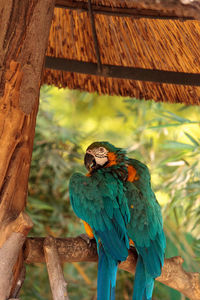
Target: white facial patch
(101, 160)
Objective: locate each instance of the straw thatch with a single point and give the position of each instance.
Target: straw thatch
(147, 43)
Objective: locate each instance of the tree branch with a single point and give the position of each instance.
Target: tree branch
(56, 277)
(76, 250)
(9, 253)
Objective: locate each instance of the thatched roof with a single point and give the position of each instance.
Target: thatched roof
(123, 48)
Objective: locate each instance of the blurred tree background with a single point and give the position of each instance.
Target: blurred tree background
(166, 137)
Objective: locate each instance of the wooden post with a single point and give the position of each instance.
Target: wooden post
(24, 32)
(56, 277)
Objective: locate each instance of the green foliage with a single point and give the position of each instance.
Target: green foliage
(163, 136)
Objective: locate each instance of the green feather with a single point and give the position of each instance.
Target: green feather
(100, 201)
(118, 210)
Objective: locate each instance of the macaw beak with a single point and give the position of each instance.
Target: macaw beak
(89, 161)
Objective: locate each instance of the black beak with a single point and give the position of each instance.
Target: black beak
(89, 161)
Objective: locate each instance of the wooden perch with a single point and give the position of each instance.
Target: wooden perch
(56, 277)
(9, 254)
(173, 275)
(76, 250)
(21, 224)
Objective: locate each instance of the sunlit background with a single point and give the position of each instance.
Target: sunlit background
(166, 137)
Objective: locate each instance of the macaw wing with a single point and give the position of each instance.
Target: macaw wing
(146, 226)
(100, 201)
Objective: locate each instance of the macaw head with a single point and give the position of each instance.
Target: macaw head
(101, 154)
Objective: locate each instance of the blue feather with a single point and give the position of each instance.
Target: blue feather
(153, 256)
(116, 247)
(107, 272)
(143, 284)
(146, 230)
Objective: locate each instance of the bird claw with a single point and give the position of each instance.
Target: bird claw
(86, 238)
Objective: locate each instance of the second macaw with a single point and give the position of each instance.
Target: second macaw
(119, 208)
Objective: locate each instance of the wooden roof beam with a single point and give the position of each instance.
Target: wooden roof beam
(159, 76)
(177, 10)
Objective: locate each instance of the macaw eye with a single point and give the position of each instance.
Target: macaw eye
(101, 149)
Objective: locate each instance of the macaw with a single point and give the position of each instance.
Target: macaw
(118, 208)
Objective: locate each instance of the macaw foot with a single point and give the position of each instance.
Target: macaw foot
(86, 238)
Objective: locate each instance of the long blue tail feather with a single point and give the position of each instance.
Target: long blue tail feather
(143, 283)
(107, 272)
(153, 256)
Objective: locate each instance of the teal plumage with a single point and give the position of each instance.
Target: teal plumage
(146, 230)
(101, 202)
(117, 210)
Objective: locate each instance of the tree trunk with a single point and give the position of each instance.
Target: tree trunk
(24, 32)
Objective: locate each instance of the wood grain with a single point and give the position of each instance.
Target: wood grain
(23, 41)
(76, 250)
(56, 277)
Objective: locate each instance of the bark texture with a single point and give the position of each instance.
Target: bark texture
(8, 256)
(76, 250)
(56, 277)
(23, 40)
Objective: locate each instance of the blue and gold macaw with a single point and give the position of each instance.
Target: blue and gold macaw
(118, 208)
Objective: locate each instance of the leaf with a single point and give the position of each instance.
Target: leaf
(172, 116)
(40, 205)
(192, 139)
(177, 146)
(164, 126)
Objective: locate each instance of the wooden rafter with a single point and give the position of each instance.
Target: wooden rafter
(94, 34)
(159, 76)
(121, 12)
